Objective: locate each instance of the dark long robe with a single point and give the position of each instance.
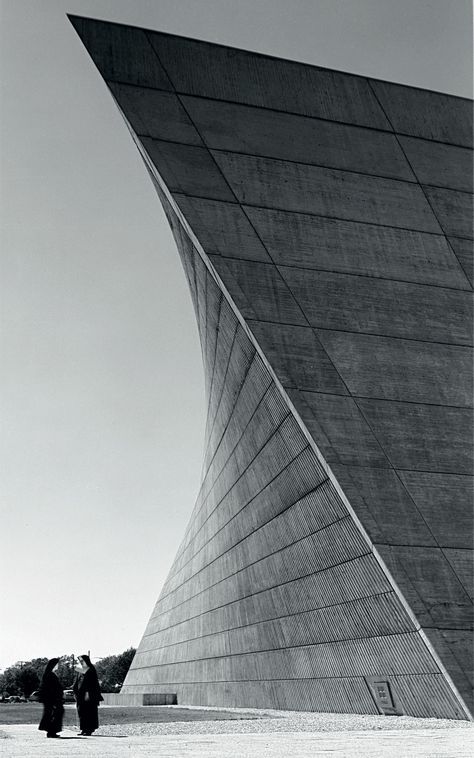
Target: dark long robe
(51, 695)
(88, 696)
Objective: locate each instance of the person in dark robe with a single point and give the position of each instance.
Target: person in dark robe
(88, 696)
(51, 695)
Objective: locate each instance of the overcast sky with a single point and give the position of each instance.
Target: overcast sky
(102, 403)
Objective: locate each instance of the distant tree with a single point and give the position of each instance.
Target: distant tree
(8, 681)
(66, 670)
(24, 676)
(113, 669)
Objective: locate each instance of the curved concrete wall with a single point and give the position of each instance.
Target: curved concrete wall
(323, 221)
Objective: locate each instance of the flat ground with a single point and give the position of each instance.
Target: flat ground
(30, 713)
(191, 732)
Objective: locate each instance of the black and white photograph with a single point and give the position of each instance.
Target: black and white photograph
(236, 383)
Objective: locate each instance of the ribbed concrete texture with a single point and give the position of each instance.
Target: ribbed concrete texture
(324, 225)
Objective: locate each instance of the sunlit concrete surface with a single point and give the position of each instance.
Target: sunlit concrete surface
(262, 735)
(426, 743)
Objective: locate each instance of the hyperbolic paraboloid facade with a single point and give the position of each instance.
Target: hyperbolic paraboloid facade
(324, 224)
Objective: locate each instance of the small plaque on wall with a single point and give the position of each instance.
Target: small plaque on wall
(383, 695)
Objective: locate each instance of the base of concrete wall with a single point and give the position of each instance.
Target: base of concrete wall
(155, 698)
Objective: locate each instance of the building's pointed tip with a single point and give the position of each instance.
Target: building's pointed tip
(76, 21)
(81, 23)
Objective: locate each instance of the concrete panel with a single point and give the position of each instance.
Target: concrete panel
(257, 487)
(316, 511)
(462, 562)
(222, 228)
(365, 619)
(360, 657)
(198, 68)
(430, 586)
(351, 580)
(186, 254)
(454, 210)
(421, 113)
(156, 114)
(331, 546)
(374, 306)
(239, 363)
(258, 290)
(326, 192)
(384, 505)
(412, 691)
(226, 335)
(296, 239)
(121, 53)
(339, 429)
(200, 276)
(395, 369)
(256, 436)
(445, 502)
(218, 452)
(464, 250)
(213, 306)
(343, 695)
(422, 437)
(252, 393)
(226, 328)
(240, 128)
(297, 356)
(188, 169)
(457, 649)
(438, 164)
(293, 482)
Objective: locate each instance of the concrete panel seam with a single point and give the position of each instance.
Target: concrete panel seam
(212, 422)
(231, 452)
(370, 334)
(233, 485)
(392, 400)
(252, 563)
(271, 618)
(258, 592)
(352, 273)
(284, 647)
(421, 185)
(237, 513)
(366, 127)
(441, 233)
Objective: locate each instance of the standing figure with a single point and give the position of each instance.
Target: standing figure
(87, 692)
(51, 695)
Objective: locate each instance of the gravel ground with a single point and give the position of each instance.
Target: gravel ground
(238, 733)
(267, 721)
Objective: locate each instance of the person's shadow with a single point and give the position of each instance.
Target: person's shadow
(81, 737)
(110, 736)
(69, 738)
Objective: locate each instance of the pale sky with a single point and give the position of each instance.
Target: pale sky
(101, 387)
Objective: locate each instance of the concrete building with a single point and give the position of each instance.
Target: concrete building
(324, 222)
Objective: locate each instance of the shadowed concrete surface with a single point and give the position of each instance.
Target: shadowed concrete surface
(324, 222)
(262, 733)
